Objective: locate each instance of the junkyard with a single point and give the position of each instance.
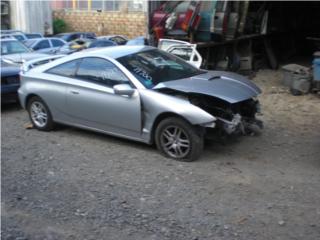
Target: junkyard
(65, 175)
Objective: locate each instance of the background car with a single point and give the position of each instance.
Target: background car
(138, 41)
(101, 43)
(118, 39)
(140, 93)
(74, 46)
(19, 36)
(16, 52)
(9, 82)
(45, 45)
(68, 37)
(33, 35)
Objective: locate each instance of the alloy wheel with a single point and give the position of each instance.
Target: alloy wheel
(175, 142)
(39, 114)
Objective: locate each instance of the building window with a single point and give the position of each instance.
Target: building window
(96, 5)
(82, 5)
(135, 5)
(111, 5)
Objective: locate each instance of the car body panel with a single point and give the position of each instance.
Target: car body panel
(156, 103)
(91, 104)
(230, 87)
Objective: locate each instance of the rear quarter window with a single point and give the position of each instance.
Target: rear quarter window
(67, 69)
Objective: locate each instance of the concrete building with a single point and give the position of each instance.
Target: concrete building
(27, 16)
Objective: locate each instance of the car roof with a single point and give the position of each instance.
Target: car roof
(44, 38)
(114, 51)
(111, 36)
(8, 40)
(70, 33)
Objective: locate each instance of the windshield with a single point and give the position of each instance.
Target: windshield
(12, 47)
(19, 37)
(155, 66)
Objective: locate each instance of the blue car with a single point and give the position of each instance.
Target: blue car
(9, 82)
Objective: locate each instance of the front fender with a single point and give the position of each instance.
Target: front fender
(155, 103)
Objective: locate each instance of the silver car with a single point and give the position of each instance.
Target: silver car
(140, 93)
(16, 52)
(45, 45)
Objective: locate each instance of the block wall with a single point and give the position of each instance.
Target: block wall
(130, 24)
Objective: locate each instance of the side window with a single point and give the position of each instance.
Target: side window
(101, 71)
(56, 43)
(74, 36)
(67, 69)
(118, 40)
(41, 45)
(184, 53)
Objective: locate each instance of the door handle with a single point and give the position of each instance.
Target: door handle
(74, 92)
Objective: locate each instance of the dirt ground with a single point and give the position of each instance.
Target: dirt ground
(75, 184)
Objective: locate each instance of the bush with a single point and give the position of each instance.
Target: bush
(59, 26)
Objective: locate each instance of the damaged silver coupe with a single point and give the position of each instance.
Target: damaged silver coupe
(140, 93)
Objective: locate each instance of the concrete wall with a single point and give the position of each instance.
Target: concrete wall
(130, 24)
(31, 16)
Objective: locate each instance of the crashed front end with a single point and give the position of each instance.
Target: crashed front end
(232, 118)
(229, 97)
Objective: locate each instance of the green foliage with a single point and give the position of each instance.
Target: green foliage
(59, 26)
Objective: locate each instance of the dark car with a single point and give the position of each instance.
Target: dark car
(101, 43)
(74, 46)
(9, 82)
(139, 41)
(68, 37)
(118, 39)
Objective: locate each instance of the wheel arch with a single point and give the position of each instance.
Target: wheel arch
(31, 95)
(161, 117)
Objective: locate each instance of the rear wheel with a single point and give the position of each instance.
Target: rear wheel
(39, 114)
(177, 139)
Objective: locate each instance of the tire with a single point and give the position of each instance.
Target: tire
(295, 92)
(175, 138)
(39, 114)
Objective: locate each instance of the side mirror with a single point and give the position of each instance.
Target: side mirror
(123, 89)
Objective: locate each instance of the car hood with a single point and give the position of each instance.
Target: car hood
(23, 57)
(227, 86)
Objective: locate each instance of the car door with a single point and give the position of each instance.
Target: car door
(187, 53)
(91, 100)
(164, 43)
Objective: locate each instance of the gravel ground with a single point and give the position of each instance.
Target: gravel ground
(75, 184)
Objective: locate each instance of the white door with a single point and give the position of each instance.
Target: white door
(164, 43)
(188, 53)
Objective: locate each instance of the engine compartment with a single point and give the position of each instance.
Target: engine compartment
(232, 118)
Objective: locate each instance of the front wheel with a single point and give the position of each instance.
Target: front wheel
(177, 139)
(39, 114)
